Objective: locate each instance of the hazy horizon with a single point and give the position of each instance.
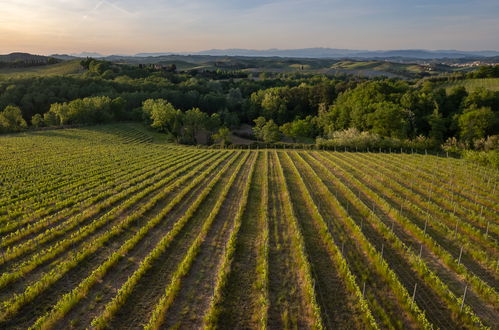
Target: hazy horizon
(128, 27)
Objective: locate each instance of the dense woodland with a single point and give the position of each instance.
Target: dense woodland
(330, 110)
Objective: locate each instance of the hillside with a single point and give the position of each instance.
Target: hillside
(63, 68)
(473, 84)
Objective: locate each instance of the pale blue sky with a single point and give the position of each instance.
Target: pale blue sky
(128, 27)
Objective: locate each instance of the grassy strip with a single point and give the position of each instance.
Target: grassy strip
(136, 184)
(479, 286)
(299, 247)
(418, 264)
(88, 198)
(50, 184)
(444, 170)
(212, 316)
(88, 182)
(262, 268)
(440, 219)
(13, 305)
(64, 305)
(82, 232)
(335, 254)
(375, 258)
(443, 202)
(112, 307)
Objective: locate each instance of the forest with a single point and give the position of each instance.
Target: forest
(328, 110)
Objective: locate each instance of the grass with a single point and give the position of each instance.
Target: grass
(473, 84)
(114, 218)
(63, 68)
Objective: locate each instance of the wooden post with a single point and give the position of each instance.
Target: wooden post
(364, 289)
(414, 293)
(487, 231)
(464, 297)
(460, 255)
(420, 251)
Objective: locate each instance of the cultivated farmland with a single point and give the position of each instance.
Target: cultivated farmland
(108, 227)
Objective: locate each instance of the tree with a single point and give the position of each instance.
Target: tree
(300, 128)
(37, 120)
(389, 119)
(438, 126)
(477, 123)
(270, 132)
(11, 119)
(194, 122)
(222, 136)
(163, 116)
(50, 119)
(258, 129)
(61, 111)
(482, 97)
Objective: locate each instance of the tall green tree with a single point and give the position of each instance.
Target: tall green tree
(270, 132)
(477, 123)
(194, 122)
(11, 119)
(222, 136)
(37, 120)
(389, 119)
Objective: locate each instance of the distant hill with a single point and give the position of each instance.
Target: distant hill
(473, 84)
(337, 53)
(88, 54)
(61, 68)
(65, 57)
(25, 60)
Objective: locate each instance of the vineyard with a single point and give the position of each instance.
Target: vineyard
(109, 227)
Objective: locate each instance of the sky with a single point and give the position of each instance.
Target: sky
(134, 26)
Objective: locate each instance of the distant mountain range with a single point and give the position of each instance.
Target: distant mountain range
(402, 56)
(337, 53)
(331, 53)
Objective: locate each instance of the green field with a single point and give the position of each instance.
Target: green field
(473, 84)
(63, 68)
(110, 227)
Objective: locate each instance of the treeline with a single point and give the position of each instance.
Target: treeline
(231, 97)
(384, 109)
(328, 110)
